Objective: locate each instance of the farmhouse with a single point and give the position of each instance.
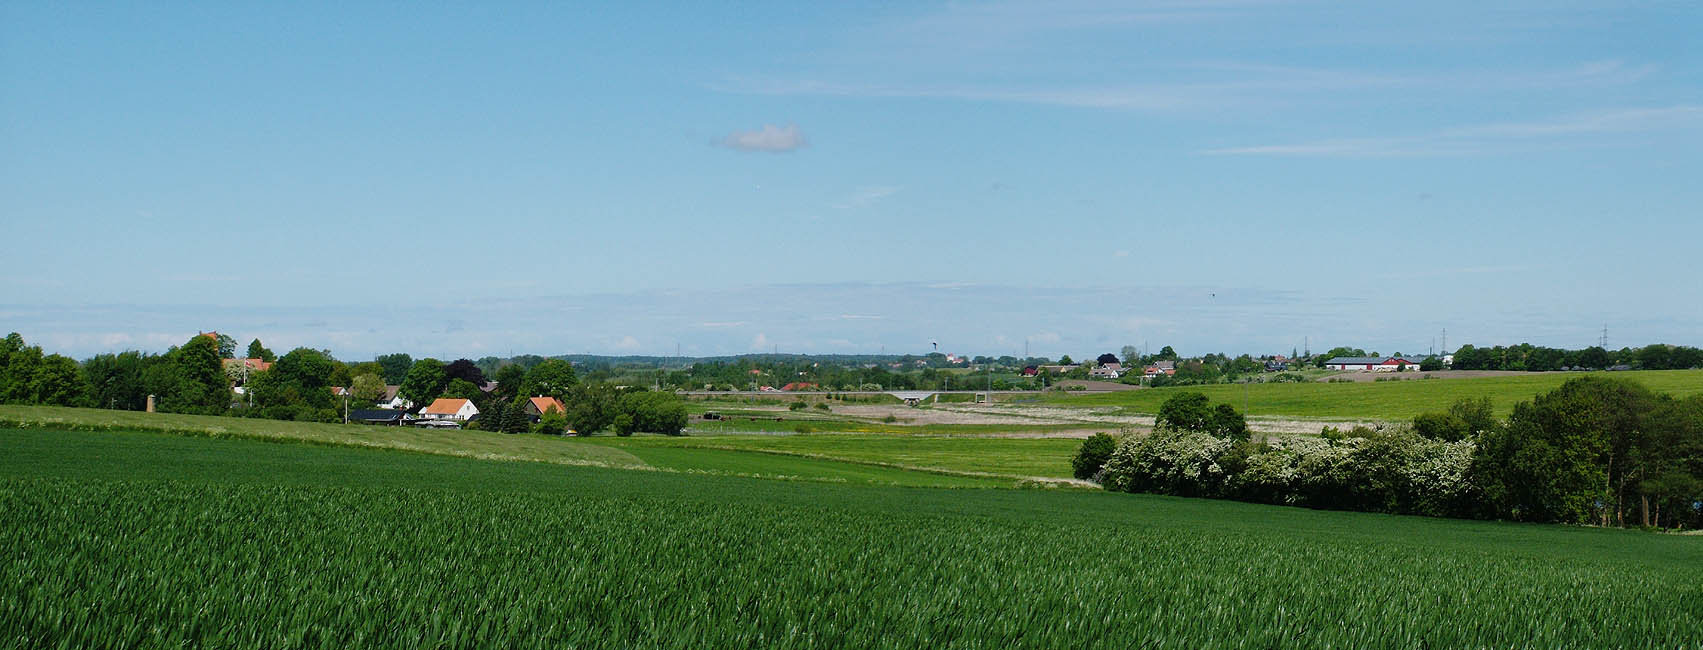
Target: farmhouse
(445, 408)
(1107, 371)
(1371, 364)
(394, 401)
(538, 406)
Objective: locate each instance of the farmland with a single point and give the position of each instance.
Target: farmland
(1382, 399)
(141, 539)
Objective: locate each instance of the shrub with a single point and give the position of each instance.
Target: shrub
(822, 406)
(1170, 461)
(653, 412)
(553, 423)
(796, 406)
(1092, 455)
(623, 425)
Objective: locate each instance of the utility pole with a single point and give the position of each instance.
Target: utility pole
(1603, 342)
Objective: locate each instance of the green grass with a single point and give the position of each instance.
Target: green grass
(1020, 457)
(494, 446)
(146, 540)
(1384, 400)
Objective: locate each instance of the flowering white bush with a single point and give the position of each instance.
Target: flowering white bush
(1168, 462)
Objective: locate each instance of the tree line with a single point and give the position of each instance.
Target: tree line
(201, 377)
(1597, 450)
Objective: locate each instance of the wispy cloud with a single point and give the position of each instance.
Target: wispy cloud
(866, 196)
(1485, 138)
(770, 139)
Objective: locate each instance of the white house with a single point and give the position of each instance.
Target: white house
(1108, 371)
(446, 408)
(394, 401)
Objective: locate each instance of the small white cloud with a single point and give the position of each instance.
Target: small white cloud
(1121, 254)
(760, 342)
(770, 138)
(1044, 337)
(627, 343)
(867, 195)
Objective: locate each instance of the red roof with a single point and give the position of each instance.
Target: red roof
(445, 406)
(544, 404)
(799, 385)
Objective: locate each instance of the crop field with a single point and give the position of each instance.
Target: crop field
(1384, 400)
(150, 540)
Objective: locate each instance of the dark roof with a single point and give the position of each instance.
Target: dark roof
(375, 415)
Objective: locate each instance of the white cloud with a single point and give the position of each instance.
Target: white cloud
(770, 138)
(1044, 337)
(1483, 138)
(760, 342)
(627, 343)
(867, 195)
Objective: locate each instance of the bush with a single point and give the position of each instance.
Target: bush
(653, 412)
(623, 425)
(822, 406)
(1092, 455)
(1170, 461)
(553, 423)
(796, 406)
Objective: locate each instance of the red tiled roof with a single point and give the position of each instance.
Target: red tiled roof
(799, 385)
(544, 404)
(445, 406)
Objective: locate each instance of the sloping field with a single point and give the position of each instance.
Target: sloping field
(242, 543)
(1024, 457)
(869, 466)
(1381, 400)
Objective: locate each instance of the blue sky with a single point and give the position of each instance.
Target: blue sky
(850, 178)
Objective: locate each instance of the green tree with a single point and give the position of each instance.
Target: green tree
(591, 408)
(655, 412)
(199, 384)
(1092, 455)
(509, 379)
(396, 366)
(1185, 412)
(367, 388)
(116, 381)
(552, 423)
(258, 351)
(305, 377)
(18, 362)
(424, 382)
(227, 346)
(58, 380)
(461, 389)
(1227, 423)
(553, 377)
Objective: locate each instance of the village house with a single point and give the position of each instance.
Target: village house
(1160, 368)
(538, 406)
(1371, 364)
(1107, 371)
(394, 401)
(446, 408)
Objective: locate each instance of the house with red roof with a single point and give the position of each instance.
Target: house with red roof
(448, 408)
(538, 406)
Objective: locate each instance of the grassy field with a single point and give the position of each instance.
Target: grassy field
(1384, 400)
(1025, 457)
(149, 540)
(956, 465)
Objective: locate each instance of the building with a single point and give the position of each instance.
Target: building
(446, 408)
(799, 385)
(1160, 368)
(538, 406)
(394, 401)
(1371, 364)
(1108, 371)
(385, 417)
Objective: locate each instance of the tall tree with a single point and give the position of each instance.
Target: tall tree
(199, 384)
(554, 377)
(424, 382)
(258, 351)
(465, 370)
(227, 346)
(395, 366)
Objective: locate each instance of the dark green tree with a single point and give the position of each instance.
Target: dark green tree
(553, 377)
(1092, 455)
(424, 382)
(258, 351)
(395, 367)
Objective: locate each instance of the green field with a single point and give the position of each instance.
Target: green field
(1021, 457)
(150, 540)
(968, 462)
(1383, 400)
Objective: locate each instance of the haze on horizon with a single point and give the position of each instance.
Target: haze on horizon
(1216, 176)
